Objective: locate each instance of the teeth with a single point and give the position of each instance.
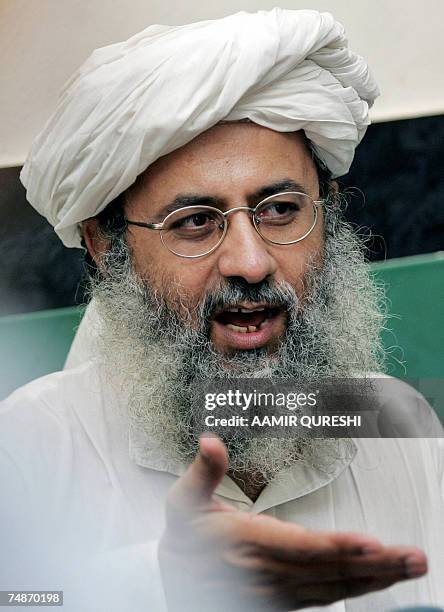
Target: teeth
(236, 328)
(247, 310)
(233, 309)
(244, 330)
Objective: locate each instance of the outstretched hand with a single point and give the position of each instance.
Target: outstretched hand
(213, 556)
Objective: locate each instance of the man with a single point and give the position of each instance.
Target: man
(195, 164)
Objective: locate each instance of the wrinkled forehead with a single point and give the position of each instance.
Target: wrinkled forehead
(229, 160)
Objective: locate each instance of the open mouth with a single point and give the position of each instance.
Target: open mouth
(245, 320)
(248, 326)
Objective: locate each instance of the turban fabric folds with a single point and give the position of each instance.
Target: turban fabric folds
(133, 102)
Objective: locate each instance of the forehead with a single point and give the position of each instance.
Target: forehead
(229, 161)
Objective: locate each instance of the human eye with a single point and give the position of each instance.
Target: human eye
(278, 211)
(193, 224)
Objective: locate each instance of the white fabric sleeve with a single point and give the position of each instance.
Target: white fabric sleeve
(126, 578)
(440, 459)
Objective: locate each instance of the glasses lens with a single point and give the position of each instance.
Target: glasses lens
(285, 217)
(193, 231)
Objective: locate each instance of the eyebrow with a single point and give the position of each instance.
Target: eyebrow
(286, 184)
(191, 199)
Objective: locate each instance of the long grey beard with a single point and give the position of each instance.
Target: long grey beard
(159, 344)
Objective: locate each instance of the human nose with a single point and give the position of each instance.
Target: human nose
(243, 253)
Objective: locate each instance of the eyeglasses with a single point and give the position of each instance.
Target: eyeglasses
(194, 231)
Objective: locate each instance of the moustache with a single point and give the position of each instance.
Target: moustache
(235, 291)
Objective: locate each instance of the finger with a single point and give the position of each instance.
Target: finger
(401, 563)
(289, 541)
(327, 593)
(345, 589)
(411, 561)
(193, 490)
(288, 595)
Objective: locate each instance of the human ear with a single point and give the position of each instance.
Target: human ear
(334, 187)
(95, 242)
(333, 194)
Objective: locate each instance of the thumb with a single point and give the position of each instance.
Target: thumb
(193, 490)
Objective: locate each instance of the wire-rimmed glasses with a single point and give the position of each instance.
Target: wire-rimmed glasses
(194, 231)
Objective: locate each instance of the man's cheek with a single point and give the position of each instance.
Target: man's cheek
(179, 298)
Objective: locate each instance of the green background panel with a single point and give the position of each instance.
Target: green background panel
(35, 344)
(415, 328)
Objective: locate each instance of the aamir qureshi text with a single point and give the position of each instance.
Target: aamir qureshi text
(290, 420)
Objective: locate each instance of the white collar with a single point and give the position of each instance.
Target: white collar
(297, 481)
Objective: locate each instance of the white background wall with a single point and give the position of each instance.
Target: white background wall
(43, 41)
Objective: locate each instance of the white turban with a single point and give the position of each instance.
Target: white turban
(133, 102)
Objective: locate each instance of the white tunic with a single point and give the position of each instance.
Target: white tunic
(71, 472)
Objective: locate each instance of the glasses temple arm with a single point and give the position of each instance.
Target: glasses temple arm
(154, 226)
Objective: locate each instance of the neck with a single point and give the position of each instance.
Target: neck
(250, 485)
